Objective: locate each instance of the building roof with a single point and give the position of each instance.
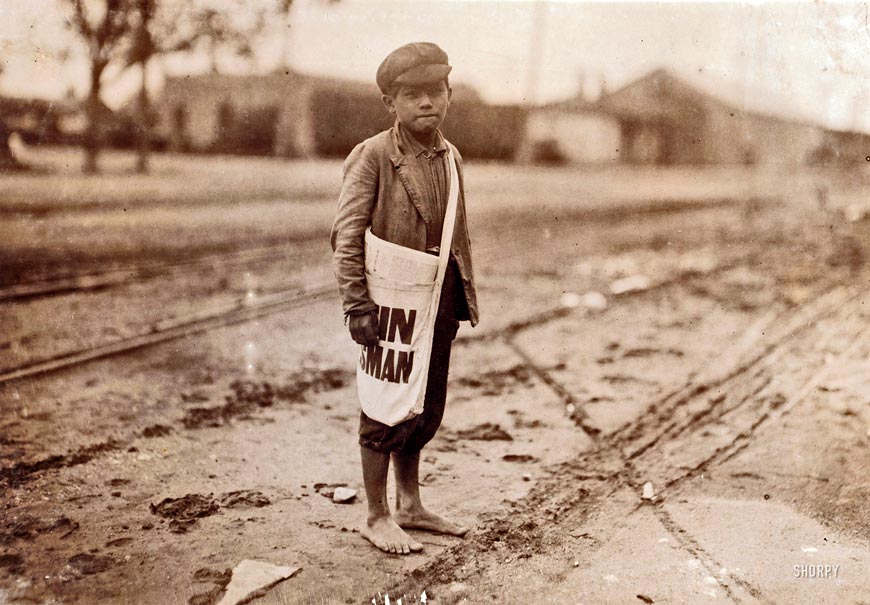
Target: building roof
(288, 78)
(642, 98)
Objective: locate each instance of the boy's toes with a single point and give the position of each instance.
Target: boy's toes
(385, 535)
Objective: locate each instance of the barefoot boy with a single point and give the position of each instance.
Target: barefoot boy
(397, 183)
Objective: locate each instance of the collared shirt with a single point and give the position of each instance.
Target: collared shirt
(433, 165)
(376, 192)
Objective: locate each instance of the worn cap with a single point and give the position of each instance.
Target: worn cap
(415, 63)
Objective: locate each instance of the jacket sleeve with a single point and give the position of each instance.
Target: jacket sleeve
(359, 190)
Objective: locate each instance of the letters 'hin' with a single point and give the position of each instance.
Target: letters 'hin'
(391, 321)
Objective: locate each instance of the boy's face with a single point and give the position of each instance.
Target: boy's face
(420, 107)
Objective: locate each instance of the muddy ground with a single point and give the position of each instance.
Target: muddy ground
(730, 372)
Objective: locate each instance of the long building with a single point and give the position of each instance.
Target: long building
(297, 115)
(665, 120)
(658, 119)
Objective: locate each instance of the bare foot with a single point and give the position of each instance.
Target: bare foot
(386, 535)
(423, 519)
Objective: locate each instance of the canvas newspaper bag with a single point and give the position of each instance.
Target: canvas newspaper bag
(406, 285)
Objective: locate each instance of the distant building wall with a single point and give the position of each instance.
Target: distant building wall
(733, 136)
(579, 136)
(842, 148)
(299, 115)
(664, 120)
(483, 131)
(212, 112)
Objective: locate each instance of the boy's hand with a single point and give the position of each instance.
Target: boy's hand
(364, 328)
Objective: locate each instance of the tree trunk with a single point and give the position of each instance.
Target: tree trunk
(93, 133)
(143, 142)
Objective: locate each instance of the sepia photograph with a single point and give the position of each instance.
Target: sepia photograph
(397, 302)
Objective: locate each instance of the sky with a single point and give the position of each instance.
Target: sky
(802, 60)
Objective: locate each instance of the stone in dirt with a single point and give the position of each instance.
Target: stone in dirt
(648, 492)
(486, 432)
(251, 577)
(594, 301)
(187, 508)
(343, 495)
(856, 212)
(327, 490)
(569, 300)
(633, 283)
(243, 498)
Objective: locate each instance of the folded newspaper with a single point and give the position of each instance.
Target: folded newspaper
(396, 263)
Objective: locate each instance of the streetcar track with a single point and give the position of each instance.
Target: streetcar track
(575, 409)
(668, 406)
(166, 331)
(773, 405)
(710, 563)
(579, 415)
(774, 411)
(101, 280)
(602, 470)
(691, 545)
(238, 313)
(140, 272)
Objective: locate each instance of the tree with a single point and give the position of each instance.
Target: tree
(129, 33)
(102, 26)
(164, 27)
(142, 48)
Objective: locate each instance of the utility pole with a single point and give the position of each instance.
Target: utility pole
(536, 50)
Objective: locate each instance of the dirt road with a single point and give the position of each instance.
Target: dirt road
(729, 371)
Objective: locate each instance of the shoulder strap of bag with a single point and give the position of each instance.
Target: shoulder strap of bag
(449, 220)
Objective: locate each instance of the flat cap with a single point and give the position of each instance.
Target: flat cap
(414, 63)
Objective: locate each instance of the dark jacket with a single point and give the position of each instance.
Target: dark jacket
(381, 188)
